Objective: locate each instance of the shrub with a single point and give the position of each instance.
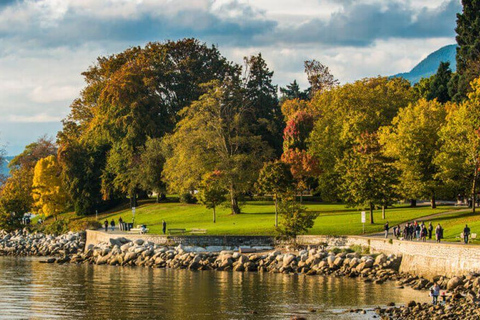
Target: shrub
(188, 198)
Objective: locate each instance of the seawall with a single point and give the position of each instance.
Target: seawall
(423, 259)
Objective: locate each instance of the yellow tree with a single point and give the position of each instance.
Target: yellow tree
(48, 194)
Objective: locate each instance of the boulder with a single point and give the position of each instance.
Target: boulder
(454, 282)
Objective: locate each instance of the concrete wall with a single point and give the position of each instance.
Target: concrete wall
(423, 259)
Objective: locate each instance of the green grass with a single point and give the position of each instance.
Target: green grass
(258, 218)
(453, 225)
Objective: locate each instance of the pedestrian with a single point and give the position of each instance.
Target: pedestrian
(423, 233)
(438, 233)
(112, 224)
(430, 229)
(120, 223)
(106, 225)
(386, 230)
(164, 226)
(466, 234)
(417, 230)
(435, 292)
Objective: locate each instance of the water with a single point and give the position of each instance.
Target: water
(32, 290)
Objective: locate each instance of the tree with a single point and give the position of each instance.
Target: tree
(319, 77)
(214, 134)
(211, 192)
(292, 91)
(16, 193)
(297, 130)
(367, 176)
(48, 192)
(413, 141)
(296, 219)
(291, 107)
(152, 159)
(459, 156)
(261, 102)
(347, 112)
(276, 179)
(439, 83)
(468, 51)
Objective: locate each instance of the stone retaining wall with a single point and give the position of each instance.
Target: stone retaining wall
(423, 259)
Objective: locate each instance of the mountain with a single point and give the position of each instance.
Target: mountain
(429, 65)
(3, 166)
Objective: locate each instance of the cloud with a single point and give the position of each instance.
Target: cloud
(360, 24)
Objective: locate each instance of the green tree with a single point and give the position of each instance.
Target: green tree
(346, 113)
(295, 218)
(413, 141)
(439, 83)
(468, 51)
(275, 179)
(152, 159)
(367, 178)
(213, 135)
(292, 91)
(211, 191)
(459, 156)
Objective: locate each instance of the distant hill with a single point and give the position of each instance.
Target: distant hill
(429, 65)
(3, 166)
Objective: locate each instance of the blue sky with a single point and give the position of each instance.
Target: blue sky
(46, 44)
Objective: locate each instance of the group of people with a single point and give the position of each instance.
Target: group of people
(435, 292)
(112, 224)
(415, 230)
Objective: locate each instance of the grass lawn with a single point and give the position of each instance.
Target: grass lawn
(453, 225)
(258, 218)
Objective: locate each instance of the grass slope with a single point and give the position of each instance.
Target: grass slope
(258, 218)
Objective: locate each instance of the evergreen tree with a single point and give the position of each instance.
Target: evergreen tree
(439, 83)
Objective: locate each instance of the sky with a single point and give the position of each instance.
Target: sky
(45, 45)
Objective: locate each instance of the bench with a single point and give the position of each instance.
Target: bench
(177, 231)
(138, 229)
(198, 231)
(472, 235)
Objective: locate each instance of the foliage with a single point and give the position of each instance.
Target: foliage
(295, 218)
(215, 135)
(302, 165)
(297, 130)
(439, 84)
(292, 92)
(292, 106)
(367, 176)
(187, 197)
(413, 141)
(211, 191)
(16, 192)
(276, 179)
(347, 112)
(152, 159)
(10, 221)
(48, 193)
(459, 156)
(319, 77)
(468, 51)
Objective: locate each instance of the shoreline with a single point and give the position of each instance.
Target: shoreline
(463, 292)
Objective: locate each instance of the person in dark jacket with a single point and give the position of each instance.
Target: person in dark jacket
(112, 224)
(164, 226)
(438, 233)
(466, 233)
(430, 230)
(106, 225)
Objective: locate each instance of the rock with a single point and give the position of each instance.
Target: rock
(138, 242)
(380, 259)
(454, 282)
(411, 304)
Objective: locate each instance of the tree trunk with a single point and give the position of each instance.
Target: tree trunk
(383, 212)
(413, 203)
(474, 187)
(276, 212)
(234, 201)
(133, 198)
(371, 213)
(214, 215)
(433, 202)
(158, 197)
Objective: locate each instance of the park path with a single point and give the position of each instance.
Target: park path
(425, 218)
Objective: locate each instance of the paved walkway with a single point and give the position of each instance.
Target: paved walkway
(425, 218)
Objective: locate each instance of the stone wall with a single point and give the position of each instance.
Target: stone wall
(94, 237)
(420, 258)
(423, 259)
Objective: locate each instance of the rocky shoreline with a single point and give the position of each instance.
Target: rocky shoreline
(463, 296)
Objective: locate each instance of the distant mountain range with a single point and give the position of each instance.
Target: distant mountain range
(429, 65)
(3, 166)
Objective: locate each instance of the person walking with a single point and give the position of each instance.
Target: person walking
(120, 224)
(466, 234)
(417, 230)
(423, 233)
(430, 230)
(112, 224)
(438, 233)
(164, 226)
(435, 292)
(106, 225)
(386, 229)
